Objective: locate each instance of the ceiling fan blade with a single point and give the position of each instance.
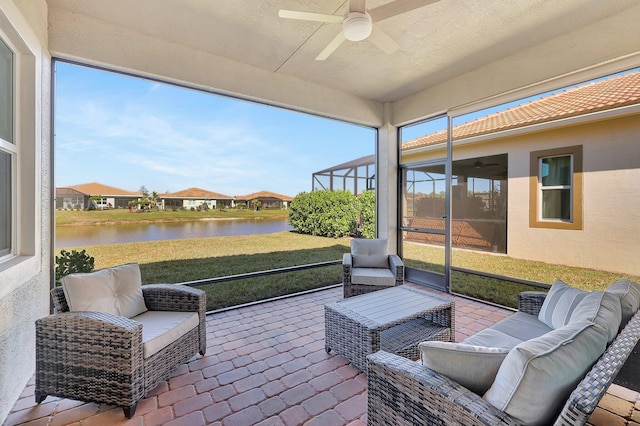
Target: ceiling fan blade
(381, 40)
(358, 6)
(396, 7)
(331, 47)
(310, 16)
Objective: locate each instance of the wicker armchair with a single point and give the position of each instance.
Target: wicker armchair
(369, 268)
(403, 392)
(98, 357)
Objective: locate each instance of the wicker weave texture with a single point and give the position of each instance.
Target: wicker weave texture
(403, 392)
(98, 357)
(357, 327)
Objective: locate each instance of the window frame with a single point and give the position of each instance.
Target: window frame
(10, 148)
(536, 189)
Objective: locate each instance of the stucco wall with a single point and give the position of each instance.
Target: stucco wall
(610, 238)
(24, 281)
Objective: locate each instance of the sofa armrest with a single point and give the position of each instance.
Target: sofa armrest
(530, 302)
(80, 354)
(397, 267)
(403, 392)
(347, 265)
(174, 297)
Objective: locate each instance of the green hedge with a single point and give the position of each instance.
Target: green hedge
(333, 214)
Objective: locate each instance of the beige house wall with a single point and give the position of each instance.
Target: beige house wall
(610, 237)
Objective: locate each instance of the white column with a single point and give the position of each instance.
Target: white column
(387, 181)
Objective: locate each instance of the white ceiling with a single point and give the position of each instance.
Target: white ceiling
(438, 42)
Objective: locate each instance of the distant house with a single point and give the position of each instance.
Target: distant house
(195, 198)
(268, 200)
(79, 197)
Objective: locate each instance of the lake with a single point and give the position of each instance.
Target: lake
(79, 236)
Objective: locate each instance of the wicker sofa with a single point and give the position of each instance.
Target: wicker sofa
(106, 358)
(405, 392)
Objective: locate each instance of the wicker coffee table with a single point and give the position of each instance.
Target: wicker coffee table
(394, 320)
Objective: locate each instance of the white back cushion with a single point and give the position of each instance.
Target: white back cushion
(115, 290)
(559, 304)
(474, 367)
(369, 253)
(601, 308)
(537, 376)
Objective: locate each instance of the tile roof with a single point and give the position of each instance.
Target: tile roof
(264, 194)
(197, 193)
(95, 188)
(615, 92)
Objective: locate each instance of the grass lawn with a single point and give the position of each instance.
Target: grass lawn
(174, 261)
(114, 216)
(181, 260)
(499, 291)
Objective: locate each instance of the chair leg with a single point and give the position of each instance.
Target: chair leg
(40, 397)
(130, 411)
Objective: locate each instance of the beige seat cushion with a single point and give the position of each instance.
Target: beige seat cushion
(373, 276)
(537, 376)
(474, 367)
(559, 304)
(115, 290)
(160, 328)
(369, 253)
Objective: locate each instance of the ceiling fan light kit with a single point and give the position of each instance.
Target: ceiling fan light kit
(357, 26)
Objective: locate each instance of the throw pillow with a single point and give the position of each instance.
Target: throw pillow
(474, 367)
(537, 376)
(629, 294)
(601, 308)
(369, 253)
(559, 304)
(116, 291)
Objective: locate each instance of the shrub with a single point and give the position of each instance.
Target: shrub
(70, 262)
(324, 213)
(367, 207)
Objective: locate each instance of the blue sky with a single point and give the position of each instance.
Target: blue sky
(129, 132)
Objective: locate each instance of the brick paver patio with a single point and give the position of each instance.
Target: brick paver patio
(266, 365)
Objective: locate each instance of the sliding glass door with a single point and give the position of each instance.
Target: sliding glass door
(423, 223)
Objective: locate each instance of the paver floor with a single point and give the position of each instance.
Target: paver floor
(266, 365)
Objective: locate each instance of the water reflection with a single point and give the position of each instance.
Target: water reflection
(74, 236)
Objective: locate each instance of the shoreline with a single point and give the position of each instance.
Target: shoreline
(149, 221)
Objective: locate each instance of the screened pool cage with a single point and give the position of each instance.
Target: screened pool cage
(356, 176)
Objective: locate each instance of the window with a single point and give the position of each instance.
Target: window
(7, 146)
(556, 188)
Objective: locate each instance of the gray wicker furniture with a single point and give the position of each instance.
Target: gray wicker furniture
(98, 357)
(369, 267)
(402, 392)
(394, 319)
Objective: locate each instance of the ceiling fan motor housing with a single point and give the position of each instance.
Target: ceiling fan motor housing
(357, 26)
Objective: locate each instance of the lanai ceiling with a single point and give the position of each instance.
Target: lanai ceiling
(438, 42)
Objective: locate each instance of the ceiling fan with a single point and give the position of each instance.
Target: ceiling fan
(358, 24)
(481, 165)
